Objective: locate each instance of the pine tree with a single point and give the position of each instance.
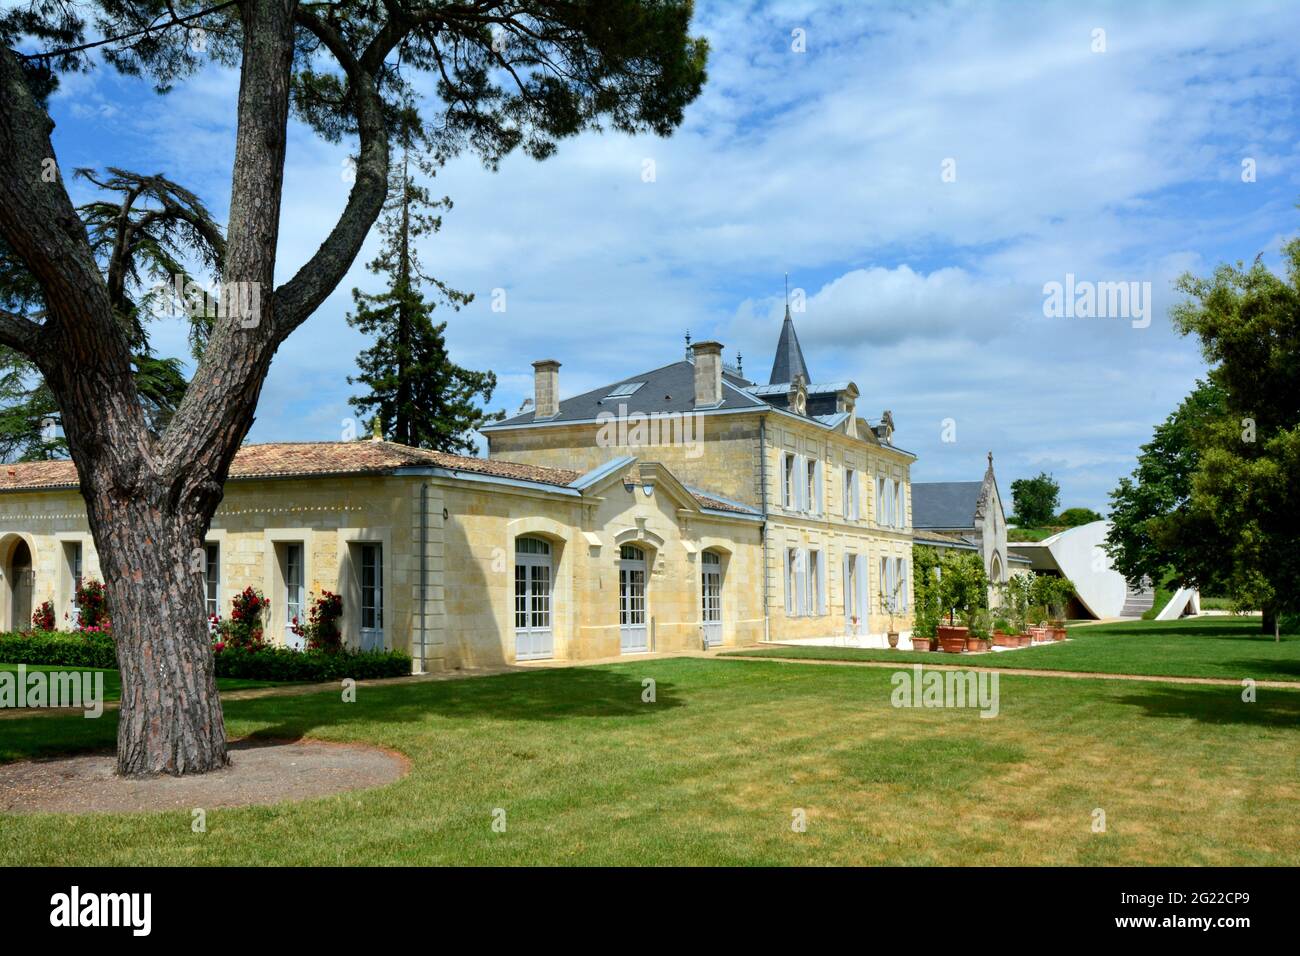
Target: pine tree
(142, 232)
(420, 396)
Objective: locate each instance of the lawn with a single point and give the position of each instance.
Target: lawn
(1202, 647)
(113, 684)
(712, 772)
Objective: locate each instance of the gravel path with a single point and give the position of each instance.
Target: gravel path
(260, 772)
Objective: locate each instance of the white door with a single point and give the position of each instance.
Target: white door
(293, 595)
(372, 597)
(534, 639)
(711, 598)
(633, 636)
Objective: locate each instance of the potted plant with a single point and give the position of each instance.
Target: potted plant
(1004, 633)
(926, 589)
(964, 592)
(979, 625)
(1062, 589)
(889, 604)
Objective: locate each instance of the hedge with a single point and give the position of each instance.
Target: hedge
(266, 663)
(65, 650)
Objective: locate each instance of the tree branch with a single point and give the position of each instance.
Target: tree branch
(309, 287)
(19, 332)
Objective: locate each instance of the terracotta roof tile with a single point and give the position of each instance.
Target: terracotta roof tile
(305, 459)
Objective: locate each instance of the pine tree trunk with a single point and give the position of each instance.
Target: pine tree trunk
(170, 719)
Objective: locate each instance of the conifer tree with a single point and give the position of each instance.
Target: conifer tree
(421, 397)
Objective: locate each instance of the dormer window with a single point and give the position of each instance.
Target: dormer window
(624, 390)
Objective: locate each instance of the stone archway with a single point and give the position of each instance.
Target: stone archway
(19, 583)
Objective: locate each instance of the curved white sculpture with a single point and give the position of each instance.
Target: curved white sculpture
(1078, 553)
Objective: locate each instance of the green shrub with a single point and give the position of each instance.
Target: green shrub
(285, 664)
(65, 650)
(261, 663)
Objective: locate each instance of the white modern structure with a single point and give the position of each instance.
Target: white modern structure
(1077, 554)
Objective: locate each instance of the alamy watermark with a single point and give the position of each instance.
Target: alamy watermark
(241, 301)
(651, 430)
(1075, 299)
(922, 688)
(83, 689)
(75, 908)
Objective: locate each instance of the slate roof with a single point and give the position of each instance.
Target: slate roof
(945, 504)
(666, 390)
(788, 361)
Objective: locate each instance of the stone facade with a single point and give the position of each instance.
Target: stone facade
(825, 572)
(446, 541)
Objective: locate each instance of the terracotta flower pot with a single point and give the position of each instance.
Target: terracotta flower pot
(1058, 633)
(951, 639)
(1024, 640)
(974, 643)
(923, 644)
(1005, 640)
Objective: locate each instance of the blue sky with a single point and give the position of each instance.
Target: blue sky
(1115, 165)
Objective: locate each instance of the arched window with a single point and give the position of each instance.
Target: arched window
(534, 636)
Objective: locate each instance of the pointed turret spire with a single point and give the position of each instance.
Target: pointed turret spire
(789, 356)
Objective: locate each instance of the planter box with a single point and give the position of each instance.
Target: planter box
(1058, 633)
(923, 643)
(1006, 640)
(1024, 640)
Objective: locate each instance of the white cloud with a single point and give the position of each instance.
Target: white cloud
(826, 164)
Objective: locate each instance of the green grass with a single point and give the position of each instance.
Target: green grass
(712, 772)
(1216, 603)
(113, 684)
(1199, 647)
(1032, 534)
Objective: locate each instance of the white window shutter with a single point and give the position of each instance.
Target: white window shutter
(821, 582)
(844, 586)
(789, 582)
(803, 581)
(857, 497)
(902, 576)
(800, 480)
(864, 587)
(819, 476)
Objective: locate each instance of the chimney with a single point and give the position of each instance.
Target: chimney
(546, 388)
(708, 373)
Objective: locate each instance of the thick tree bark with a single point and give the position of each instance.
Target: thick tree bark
(150, 499)
(170, 719)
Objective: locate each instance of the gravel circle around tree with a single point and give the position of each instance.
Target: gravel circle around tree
(260, 773)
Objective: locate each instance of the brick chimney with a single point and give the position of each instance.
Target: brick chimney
(708, 373)
(546, 388)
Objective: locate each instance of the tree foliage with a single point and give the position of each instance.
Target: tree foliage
(1073, 517)
(1216, 496)
(422, 398)
(485, 77)
(1035, 500)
